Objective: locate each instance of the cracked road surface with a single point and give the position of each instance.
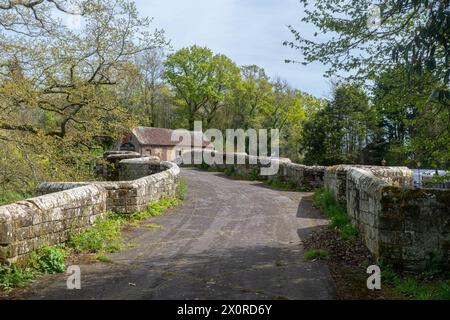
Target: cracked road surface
(229, 239)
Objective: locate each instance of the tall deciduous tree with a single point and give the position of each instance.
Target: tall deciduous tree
(412, 128)
(356, 36)
(339, 132)
(58, 99)
(201, 81)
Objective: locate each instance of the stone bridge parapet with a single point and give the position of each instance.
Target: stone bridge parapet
(65, 208)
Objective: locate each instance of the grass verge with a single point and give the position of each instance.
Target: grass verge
(325, 200)
(429, 285)
(46, 260)
(105, 237)
(348, 259)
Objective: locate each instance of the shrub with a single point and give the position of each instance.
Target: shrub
(49, 260)
(283, 185)
(14, 276)
(104, 236)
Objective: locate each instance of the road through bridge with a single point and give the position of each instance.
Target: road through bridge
(229, 239)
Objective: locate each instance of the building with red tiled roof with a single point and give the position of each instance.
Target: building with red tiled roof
(161, 142)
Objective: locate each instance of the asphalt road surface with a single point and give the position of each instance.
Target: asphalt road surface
(229, 239)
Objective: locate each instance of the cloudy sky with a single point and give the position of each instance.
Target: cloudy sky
(247, 31)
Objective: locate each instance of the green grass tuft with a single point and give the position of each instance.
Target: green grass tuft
(104, 258)
(182, 189)
(415, 289)
(318, 254)
(325, 200)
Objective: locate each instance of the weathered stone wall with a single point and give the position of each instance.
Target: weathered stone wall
(245, 165)
(131, 196)
(160, 180)
(414, 227)
(50, 219)
(108, 169)
(137, 168)
(67, 208)
(363, 195)
(336, 178)
(400, 225)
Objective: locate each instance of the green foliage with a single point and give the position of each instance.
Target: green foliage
(155, 209)
(282, 185)
(326, 201)
(316, 254)
(8, 197)
(60, 89)
(204, 166)
(229, 171)
(49, 260)
(437, 266)
(411, 128)
(15, 276)
(338, 133)
(414, 288)
(201, 80)
(46, 260)
(412, 33)
(254, 175)
(104, 236)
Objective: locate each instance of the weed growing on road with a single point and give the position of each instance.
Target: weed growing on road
(153, 226)
(103, 258)
(280, 263)
(182, 189)
(316, 254)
